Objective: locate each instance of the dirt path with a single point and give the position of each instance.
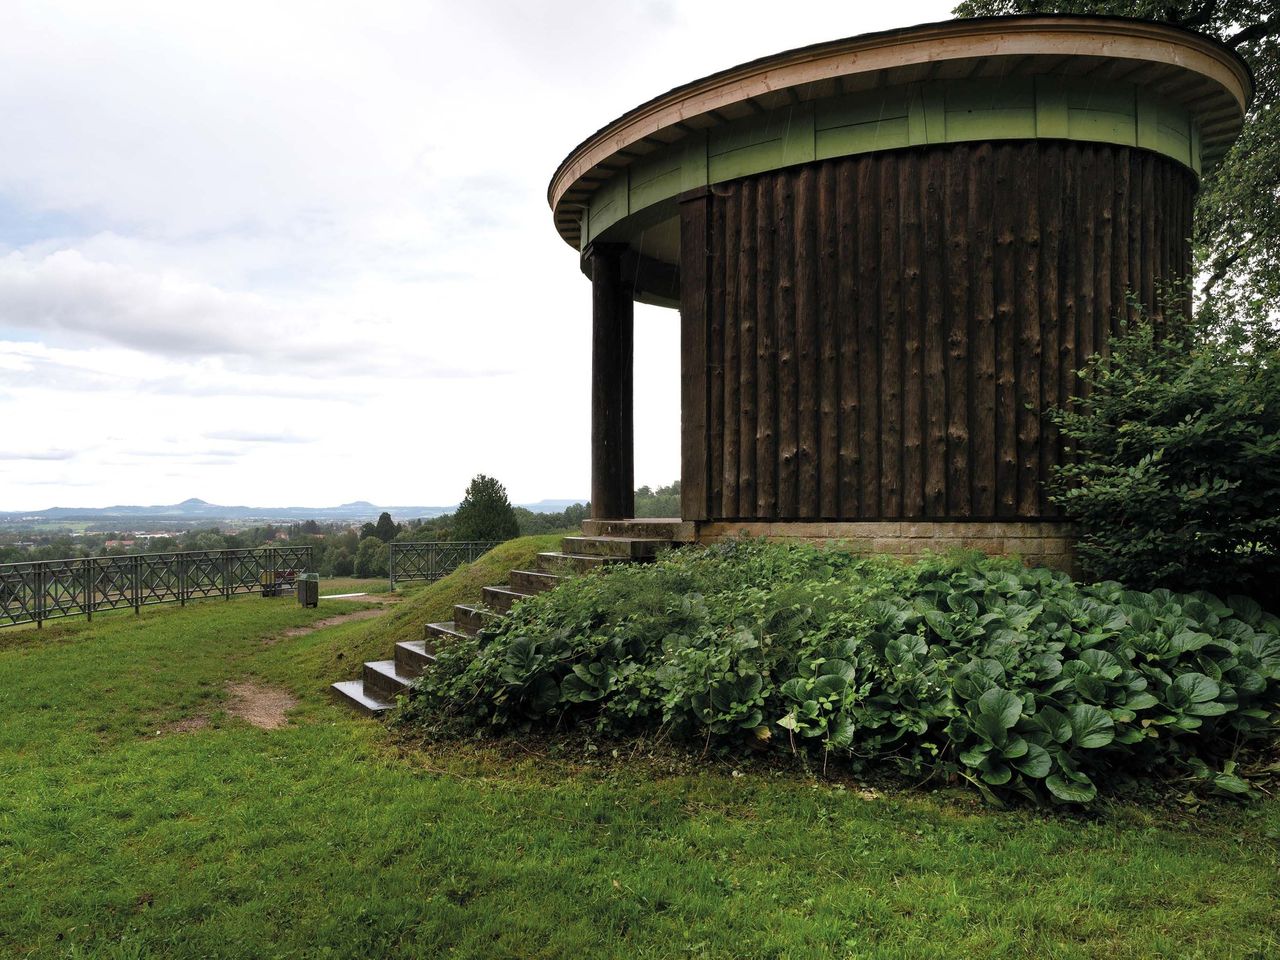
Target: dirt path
(327, 622)
(264, 707)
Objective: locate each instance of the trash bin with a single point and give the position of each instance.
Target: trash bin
(308, 585)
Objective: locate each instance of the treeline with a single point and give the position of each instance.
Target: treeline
(342, 549)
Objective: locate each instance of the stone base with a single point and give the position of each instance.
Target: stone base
(1046, 543)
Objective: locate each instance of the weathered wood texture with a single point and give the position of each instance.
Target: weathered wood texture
(883, 332)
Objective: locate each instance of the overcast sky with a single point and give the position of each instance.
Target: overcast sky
(300, 254)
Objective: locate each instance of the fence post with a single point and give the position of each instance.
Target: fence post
(226, 575)
(37, 578)
(182, 579)
(90, 588)
(137, 586)
(391, 565)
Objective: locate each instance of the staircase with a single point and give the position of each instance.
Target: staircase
(602, 542)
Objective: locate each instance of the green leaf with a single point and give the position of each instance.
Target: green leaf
(1192, 688)
(842, 668)
(974, 755)
(1230, 783)
(904, 648)
(542, 694)
(1091, 726)
(1002, 705)
(1073, 791)
(841, 732)
(994, 772)
(797, 688)
(1055, 723)
(1036, 763)
(1140, 701)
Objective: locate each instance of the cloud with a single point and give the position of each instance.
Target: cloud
(259, 436)
(37, 455)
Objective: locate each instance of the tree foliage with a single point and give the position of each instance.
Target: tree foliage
(372, 558)
(485, 512)
(1176, 475)
(1237, 214)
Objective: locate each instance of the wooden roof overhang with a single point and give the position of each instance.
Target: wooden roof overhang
(1201, 82)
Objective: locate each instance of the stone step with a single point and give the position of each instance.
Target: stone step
(382, 679)
(351, 693)
(657, 528)
(470, 619)
(414, 656)
(502, 598)
(556, 562)
(625, 548)
(446, 630)
(533, 581)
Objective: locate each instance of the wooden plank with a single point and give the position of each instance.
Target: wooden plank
(827, 378)
(785, 309)
(1086, 261)
(957, 319)
(1120, 237)
(1026, 184)
(982, 202)
(1104, 193)
(912, 251)
(847, 320)
(693, 358)
(731, 252)
(868, 336)
(934, 383)
(766, 355)
(1004, 287)
(715, 355)
(747, 234)
(891, 347)
(1135, 233)
(1146, 267)
(808, 372)
(1067, 279)
(1051, 201)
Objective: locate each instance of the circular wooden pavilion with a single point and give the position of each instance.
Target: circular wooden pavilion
(890, 254)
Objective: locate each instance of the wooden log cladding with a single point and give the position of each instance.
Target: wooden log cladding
(883, 332)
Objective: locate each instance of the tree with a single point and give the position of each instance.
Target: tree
(485, 512)
(386, 529)
(1237, 212)
(372, 558)
(1176, 478)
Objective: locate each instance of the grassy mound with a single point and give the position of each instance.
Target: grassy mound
(336, 657)
(1018, 681)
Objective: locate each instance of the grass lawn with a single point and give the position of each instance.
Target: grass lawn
(125, 834)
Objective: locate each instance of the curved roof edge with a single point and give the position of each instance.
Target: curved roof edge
(1213, 79)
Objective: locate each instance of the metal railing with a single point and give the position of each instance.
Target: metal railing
(433, 560)
(43, 590)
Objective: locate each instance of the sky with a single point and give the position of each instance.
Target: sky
(298, 254)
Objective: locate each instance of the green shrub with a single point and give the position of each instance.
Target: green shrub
(1017, 679)
(1176, 475)
(485, 512)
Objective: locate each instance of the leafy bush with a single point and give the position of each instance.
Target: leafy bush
(1017, 679)
(1176, 479)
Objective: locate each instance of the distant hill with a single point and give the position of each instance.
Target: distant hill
(196, 509)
